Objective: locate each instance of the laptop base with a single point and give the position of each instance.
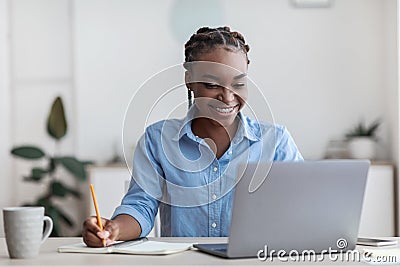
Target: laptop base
(220, 250)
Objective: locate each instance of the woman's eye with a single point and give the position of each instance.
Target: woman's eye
(239, 85)
(211, 85)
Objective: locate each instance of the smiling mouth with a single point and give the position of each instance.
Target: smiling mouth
(225, 110)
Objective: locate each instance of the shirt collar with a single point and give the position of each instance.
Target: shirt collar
(246, 130)
(186, 126)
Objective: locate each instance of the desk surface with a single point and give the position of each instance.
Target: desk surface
(50, 257)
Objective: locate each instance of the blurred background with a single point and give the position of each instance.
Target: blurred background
(324, 66)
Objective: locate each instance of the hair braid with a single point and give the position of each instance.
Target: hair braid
(190, 99)
(207, 38)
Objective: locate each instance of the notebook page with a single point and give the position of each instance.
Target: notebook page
(154, 247)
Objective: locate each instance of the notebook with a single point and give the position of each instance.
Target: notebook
(376, 242)
(139, 247)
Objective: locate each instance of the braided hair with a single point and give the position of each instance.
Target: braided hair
(206, 39)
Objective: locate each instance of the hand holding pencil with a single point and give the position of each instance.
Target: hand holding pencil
(96, 207)
(93, 236)
(100, 232)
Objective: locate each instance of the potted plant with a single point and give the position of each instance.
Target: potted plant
(362, 140)
(49, 175)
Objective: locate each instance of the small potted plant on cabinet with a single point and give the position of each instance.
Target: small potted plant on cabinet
(362, 140)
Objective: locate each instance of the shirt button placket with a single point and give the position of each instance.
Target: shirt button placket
(214, 215)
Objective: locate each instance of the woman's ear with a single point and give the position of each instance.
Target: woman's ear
(188, 79)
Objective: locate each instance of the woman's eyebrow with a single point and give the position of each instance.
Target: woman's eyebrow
(240, 76)
(216, 78)
(211, 77)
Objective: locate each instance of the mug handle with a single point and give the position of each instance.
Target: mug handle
(49, 227)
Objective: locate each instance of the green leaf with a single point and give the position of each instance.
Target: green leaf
(364, 130)
(45, 202)
(58, 189)
(87, 162)
(74, 192)
(52, 165)
(56, 230)
(64, 216)
(74, 166)
(61, 190)
(30, 179)
(58, 215)
(51, 212)
(38, 173)
(29, 205)
(28, 152)
(56, 122)
(373, 127)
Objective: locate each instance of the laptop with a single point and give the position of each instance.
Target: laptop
(310, 205)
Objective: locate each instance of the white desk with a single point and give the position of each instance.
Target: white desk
(50, 257)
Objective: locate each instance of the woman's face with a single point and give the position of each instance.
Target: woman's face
(219, 84)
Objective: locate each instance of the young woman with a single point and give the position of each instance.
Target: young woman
(188, 168)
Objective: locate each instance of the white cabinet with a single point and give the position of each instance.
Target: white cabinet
(378, 213)
(111, 183)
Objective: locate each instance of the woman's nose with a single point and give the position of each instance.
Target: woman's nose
(226, 95)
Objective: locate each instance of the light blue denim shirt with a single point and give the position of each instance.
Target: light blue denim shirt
(176, 171)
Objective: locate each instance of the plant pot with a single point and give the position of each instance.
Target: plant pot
(361, 148)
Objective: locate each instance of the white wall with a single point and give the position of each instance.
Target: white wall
(320, 69)
(118, 44)
(7, 187)
(390, 78)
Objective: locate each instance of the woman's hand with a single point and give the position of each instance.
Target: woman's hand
(93, 236)
(123, 227)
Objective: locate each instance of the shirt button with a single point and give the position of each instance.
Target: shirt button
(230, 153)
(215, 169)
(214, 197)
(213, 225)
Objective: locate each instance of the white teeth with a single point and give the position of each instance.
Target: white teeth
(224, 110)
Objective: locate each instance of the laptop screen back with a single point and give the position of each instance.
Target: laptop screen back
(299, 206)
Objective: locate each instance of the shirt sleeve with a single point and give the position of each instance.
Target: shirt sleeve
(286, 149)
(145, 189)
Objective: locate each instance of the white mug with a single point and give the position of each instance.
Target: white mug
(23, 228)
